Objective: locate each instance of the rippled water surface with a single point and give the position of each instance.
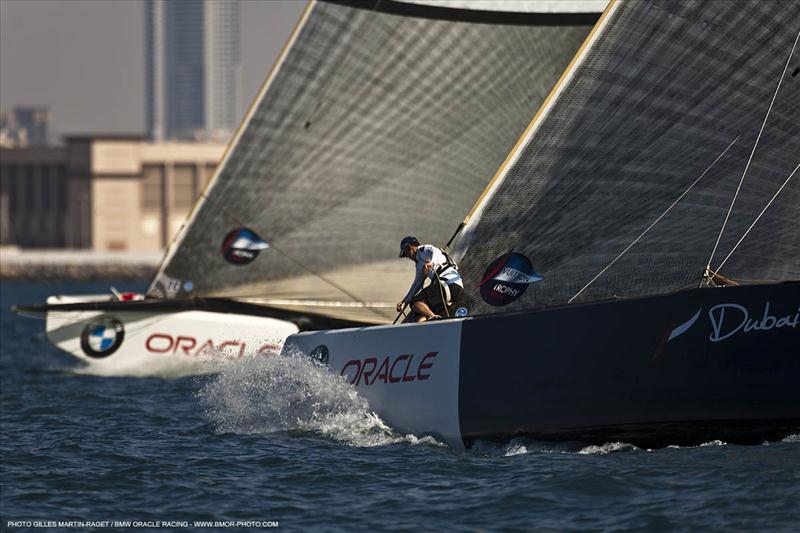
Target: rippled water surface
(281, 440)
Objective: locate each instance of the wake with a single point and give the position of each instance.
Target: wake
(296, 395)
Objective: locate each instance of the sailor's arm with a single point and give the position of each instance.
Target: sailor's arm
(415, 286)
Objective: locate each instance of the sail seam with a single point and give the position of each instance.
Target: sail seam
(750, 159)
(656, 221)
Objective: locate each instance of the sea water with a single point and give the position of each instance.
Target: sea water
(280, 442)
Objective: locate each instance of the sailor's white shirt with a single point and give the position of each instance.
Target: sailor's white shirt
(427, 253)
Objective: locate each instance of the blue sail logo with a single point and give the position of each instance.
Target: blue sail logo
(507, 278)
(242, 246)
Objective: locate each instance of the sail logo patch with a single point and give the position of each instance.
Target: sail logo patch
(101, 338)
(506, 279)
(242, 246)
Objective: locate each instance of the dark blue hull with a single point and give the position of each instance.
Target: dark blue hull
(675, 369)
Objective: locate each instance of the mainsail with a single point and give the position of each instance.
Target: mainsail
(661, 95)
(380, 119)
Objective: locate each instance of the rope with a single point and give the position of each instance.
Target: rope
(755, 145)
(298, 263)
(637, 239)
(441, 293)
(401, 313)
(757, 218)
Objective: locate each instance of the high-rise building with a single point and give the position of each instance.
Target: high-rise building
(25, 126)
(193, 69)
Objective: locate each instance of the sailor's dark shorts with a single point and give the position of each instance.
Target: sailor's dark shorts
(432, 297)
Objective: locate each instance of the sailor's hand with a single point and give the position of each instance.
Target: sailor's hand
(427, 268)
(400, 307)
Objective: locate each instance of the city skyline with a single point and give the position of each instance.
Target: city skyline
(194, 75)
(50, 55)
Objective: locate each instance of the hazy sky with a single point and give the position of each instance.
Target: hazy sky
(86, 58)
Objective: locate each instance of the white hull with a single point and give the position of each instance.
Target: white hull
(409, 373)
(158, 343)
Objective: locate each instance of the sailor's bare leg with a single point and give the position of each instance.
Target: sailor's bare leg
(423, 311)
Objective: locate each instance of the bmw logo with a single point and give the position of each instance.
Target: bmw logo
(320, 354)
(102, 337)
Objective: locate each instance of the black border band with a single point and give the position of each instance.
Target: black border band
(406, 9)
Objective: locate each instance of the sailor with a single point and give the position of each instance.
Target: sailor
(445, 288)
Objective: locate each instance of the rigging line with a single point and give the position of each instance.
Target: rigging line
(757, 218)
(755, 145)
(656, 221)
(298, 263)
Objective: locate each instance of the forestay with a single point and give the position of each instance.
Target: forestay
(654, 97)
(380, 119)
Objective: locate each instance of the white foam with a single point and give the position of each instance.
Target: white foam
(524, 446)
(164, 369)
(608, 447)
(294, 394)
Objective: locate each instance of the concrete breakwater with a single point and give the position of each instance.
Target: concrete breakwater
(78, 265)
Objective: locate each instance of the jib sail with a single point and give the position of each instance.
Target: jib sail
(381, 119)
(661, 95)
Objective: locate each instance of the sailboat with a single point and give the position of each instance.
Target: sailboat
(632, 268)
(379, 118)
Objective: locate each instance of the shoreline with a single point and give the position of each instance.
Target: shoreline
(76, 265)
